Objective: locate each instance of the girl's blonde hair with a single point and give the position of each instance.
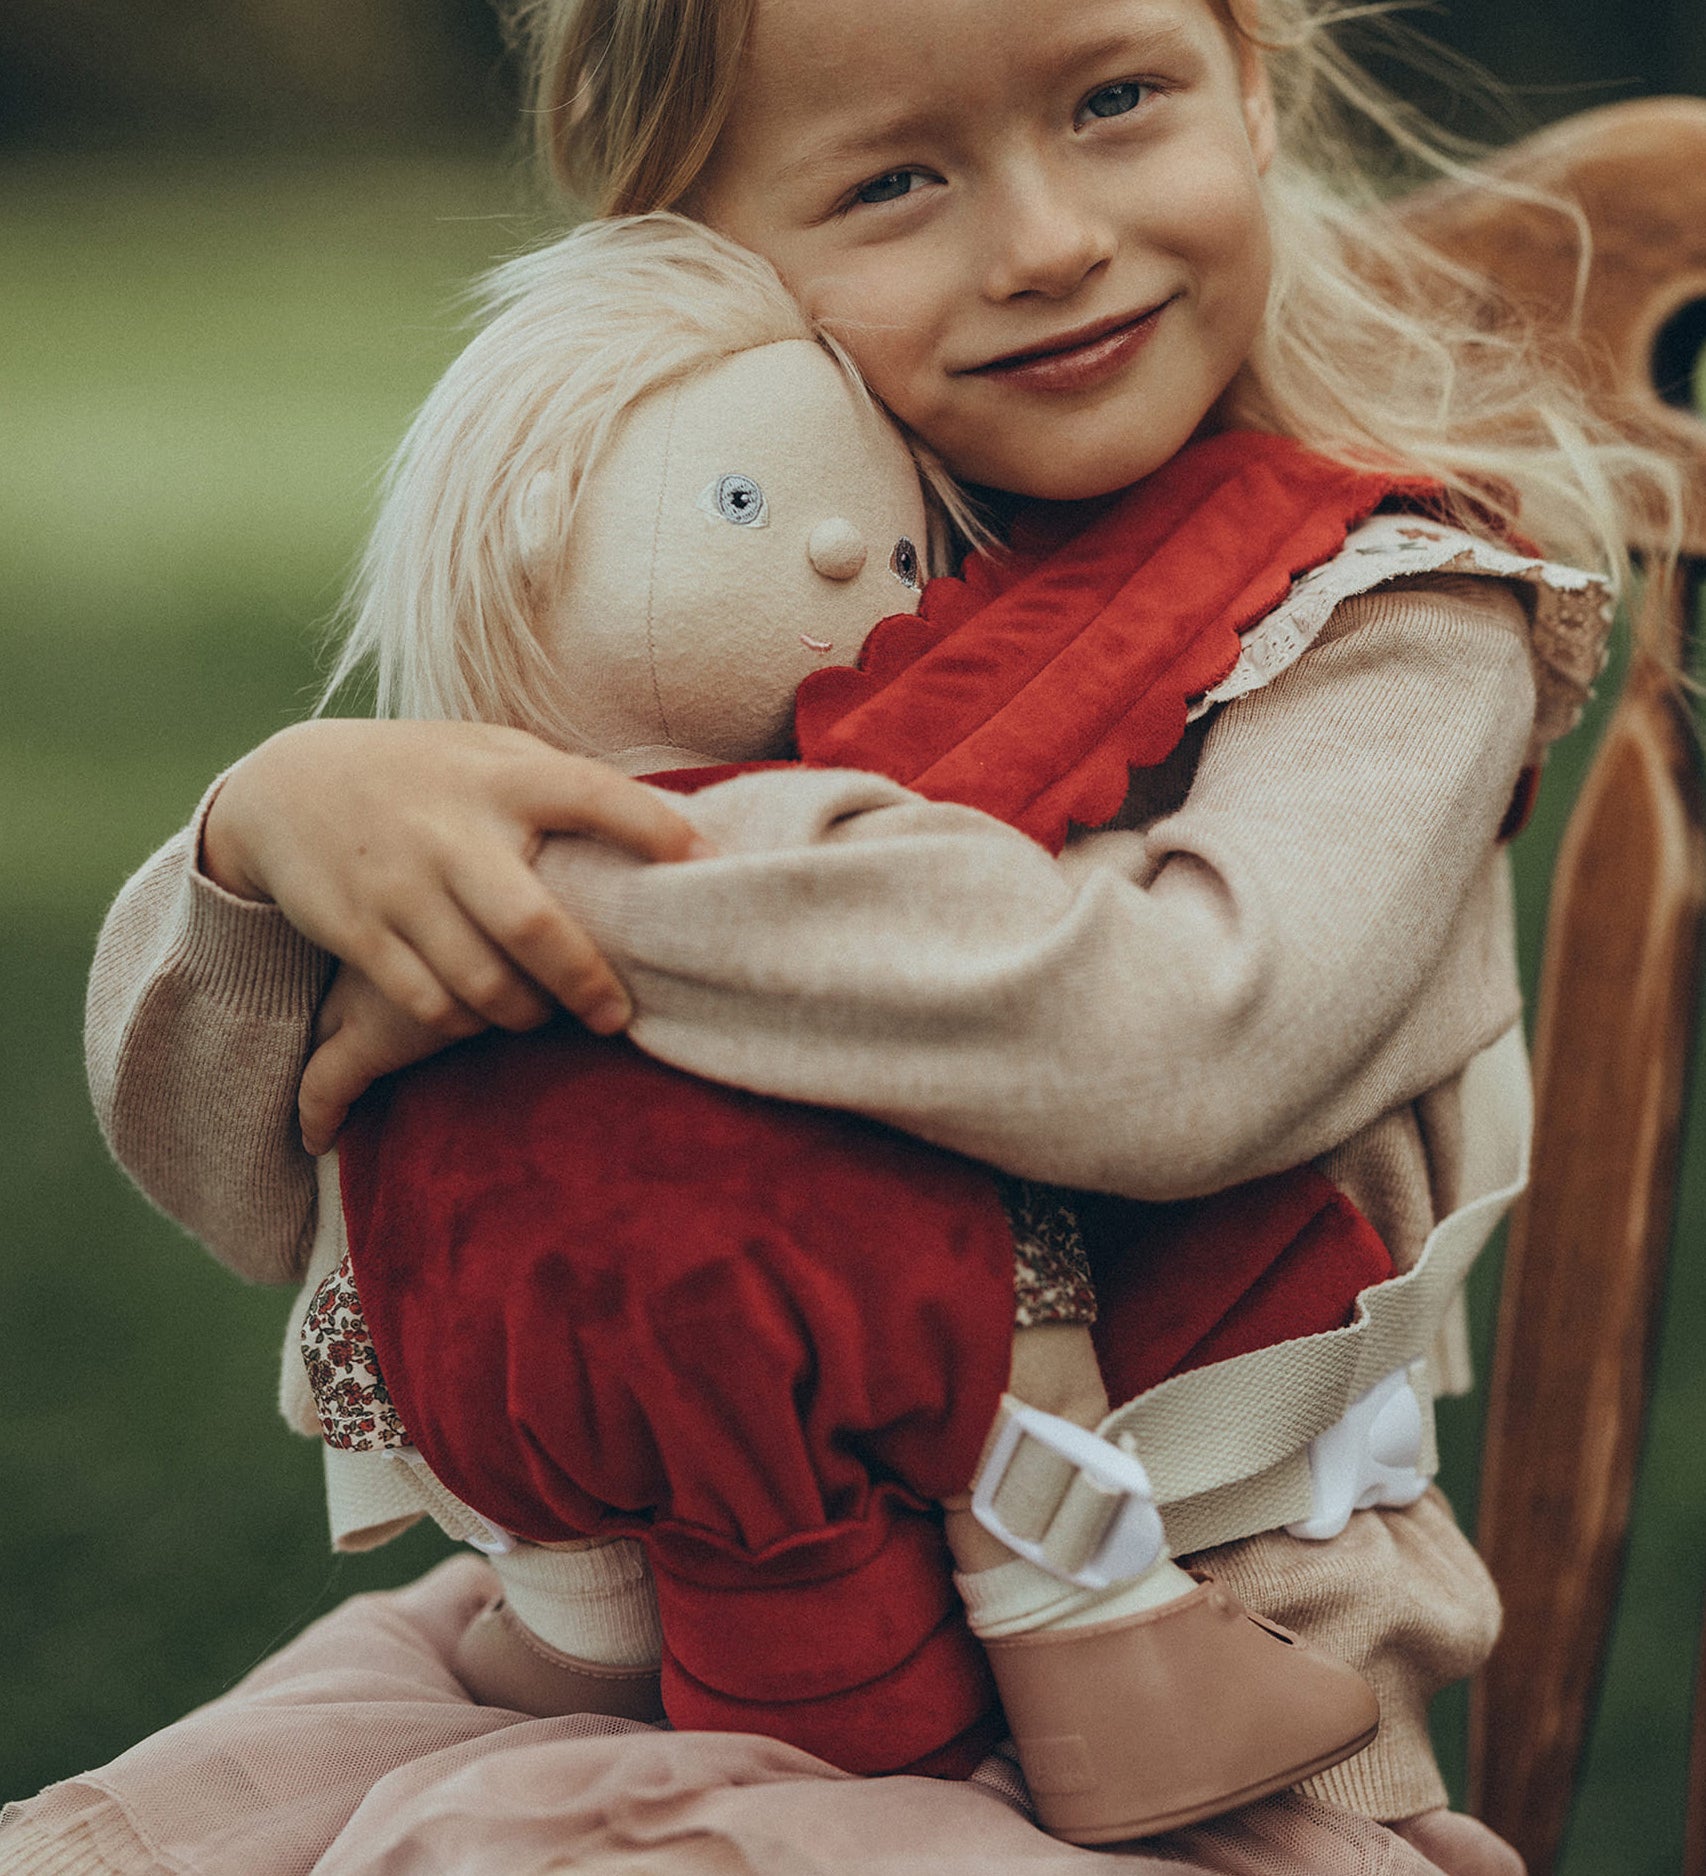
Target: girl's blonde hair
(478, 509)
(1376, 349)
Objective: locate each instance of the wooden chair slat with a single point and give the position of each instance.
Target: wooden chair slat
(1619, 995)
(1584, 1272)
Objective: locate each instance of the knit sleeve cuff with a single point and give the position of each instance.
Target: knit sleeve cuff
(244, 952)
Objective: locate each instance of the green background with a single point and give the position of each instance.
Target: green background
(228, 278)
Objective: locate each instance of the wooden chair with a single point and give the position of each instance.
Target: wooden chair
(1619, 994)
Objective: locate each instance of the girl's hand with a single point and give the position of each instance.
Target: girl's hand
(406, 849)
(358, 1037)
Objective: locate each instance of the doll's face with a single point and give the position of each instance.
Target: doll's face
(743, 529)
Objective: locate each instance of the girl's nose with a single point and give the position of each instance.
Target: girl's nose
(1045, 242)
(836, 548)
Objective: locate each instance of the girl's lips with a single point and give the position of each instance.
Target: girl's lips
(1076, 364)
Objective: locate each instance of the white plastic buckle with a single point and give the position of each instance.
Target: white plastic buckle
(1134, 1540)
(1373, 1456)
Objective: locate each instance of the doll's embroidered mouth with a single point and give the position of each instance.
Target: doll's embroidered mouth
(1085, 344)
(816, 644)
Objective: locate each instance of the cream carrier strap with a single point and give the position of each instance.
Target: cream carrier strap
(1298, 1435)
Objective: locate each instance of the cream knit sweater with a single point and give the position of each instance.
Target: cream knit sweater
(1287, 951)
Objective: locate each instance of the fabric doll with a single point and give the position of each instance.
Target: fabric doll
(672, 577)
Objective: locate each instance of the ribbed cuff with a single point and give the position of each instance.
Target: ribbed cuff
(244, 951)
(72, 1830)
(1397, 1777)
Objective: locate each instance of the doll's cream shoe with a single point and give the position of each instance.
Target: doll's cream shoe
(1153, 1721)
(503, 1663)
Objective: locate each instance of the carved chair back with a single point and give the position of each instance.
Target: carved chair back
(1620, 986)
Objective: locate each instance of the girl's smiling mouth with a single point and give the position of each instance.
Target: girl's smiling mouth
(1078, 360)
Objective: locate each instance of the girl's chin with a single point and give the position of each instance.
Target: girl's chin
(1088, 459)
(1072, 482)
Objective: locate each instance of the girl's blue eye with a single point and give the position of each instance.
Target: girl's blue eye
(1115, 100)
(889, 188)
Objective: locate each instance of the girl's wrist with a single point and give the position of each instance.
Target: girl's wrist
(221, 857)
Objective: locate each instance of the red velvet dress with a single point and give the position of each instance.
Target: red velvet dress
(608, 1297)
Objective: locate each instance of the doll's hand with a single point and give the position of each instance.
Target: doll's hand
(359, 1036)
(406, 849)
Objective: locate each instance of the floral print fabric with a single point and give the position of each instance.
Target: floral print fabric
(350, 1396)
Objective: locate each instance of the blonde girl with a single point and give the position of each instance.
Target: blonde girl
(1062, 239)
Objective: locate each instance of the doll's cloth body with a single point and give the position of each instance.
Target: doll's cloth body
(1354, 789)
(635, 1189)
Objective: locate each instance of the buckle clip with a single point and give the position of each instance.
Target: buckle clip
(1075, 1505)
(1373, 1456)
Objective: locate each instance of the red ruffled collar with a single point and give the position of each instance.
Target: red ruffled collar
(1032, 684)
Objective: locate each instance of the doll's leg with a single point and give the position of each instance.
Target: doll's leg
(1151, 1701)
(574, 1629)
(1054, 1368)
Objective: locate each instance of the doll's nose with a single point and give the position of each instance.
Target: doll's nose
(836, 549)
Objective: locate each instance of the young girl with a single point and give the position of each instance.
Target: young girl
(1061, 241)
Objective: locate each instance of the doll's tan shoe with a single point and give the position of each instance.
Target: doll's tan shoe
(503, 1663)
(1157, 1720)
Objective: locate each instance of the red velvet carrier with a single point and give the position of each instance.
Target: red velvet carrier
(609, 1297)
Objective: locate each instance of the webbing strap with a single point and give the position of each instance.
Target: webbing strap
(1227, 1447)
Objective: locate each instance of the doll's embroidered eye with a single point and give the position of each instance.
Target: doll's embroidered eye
(903, 562)
(737, 499)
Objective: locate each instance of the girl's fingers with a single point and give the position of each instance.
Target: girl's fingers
(331, 1083)
(450, 937)
(347, 1064)
(403, 977)
(545, 940)
(577, 796)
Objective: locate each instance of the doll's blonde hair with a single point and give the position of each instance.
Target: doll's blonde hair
(477, 516)
(1376, 349)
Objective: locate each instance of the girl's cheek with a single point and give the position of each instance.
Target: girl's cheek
(872, 323)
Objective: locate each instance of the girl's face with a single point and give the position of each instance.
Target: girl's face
(1036, 225)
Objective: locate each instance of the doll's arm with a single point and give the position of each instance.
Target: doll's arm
(1320, 934)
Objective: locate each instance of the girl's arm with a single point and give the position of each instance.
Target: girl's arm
(404, 847)
(199, 1015)
(1321, 933)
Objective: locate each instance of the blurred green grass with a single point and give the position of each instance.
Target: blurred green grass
(201, 375)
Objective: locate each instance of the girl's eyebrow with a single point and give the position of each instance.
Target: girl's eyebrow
(867, 143)
(1144, 42)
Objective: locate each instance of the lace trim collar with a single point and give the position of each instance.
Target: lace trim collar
(1571, 612)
